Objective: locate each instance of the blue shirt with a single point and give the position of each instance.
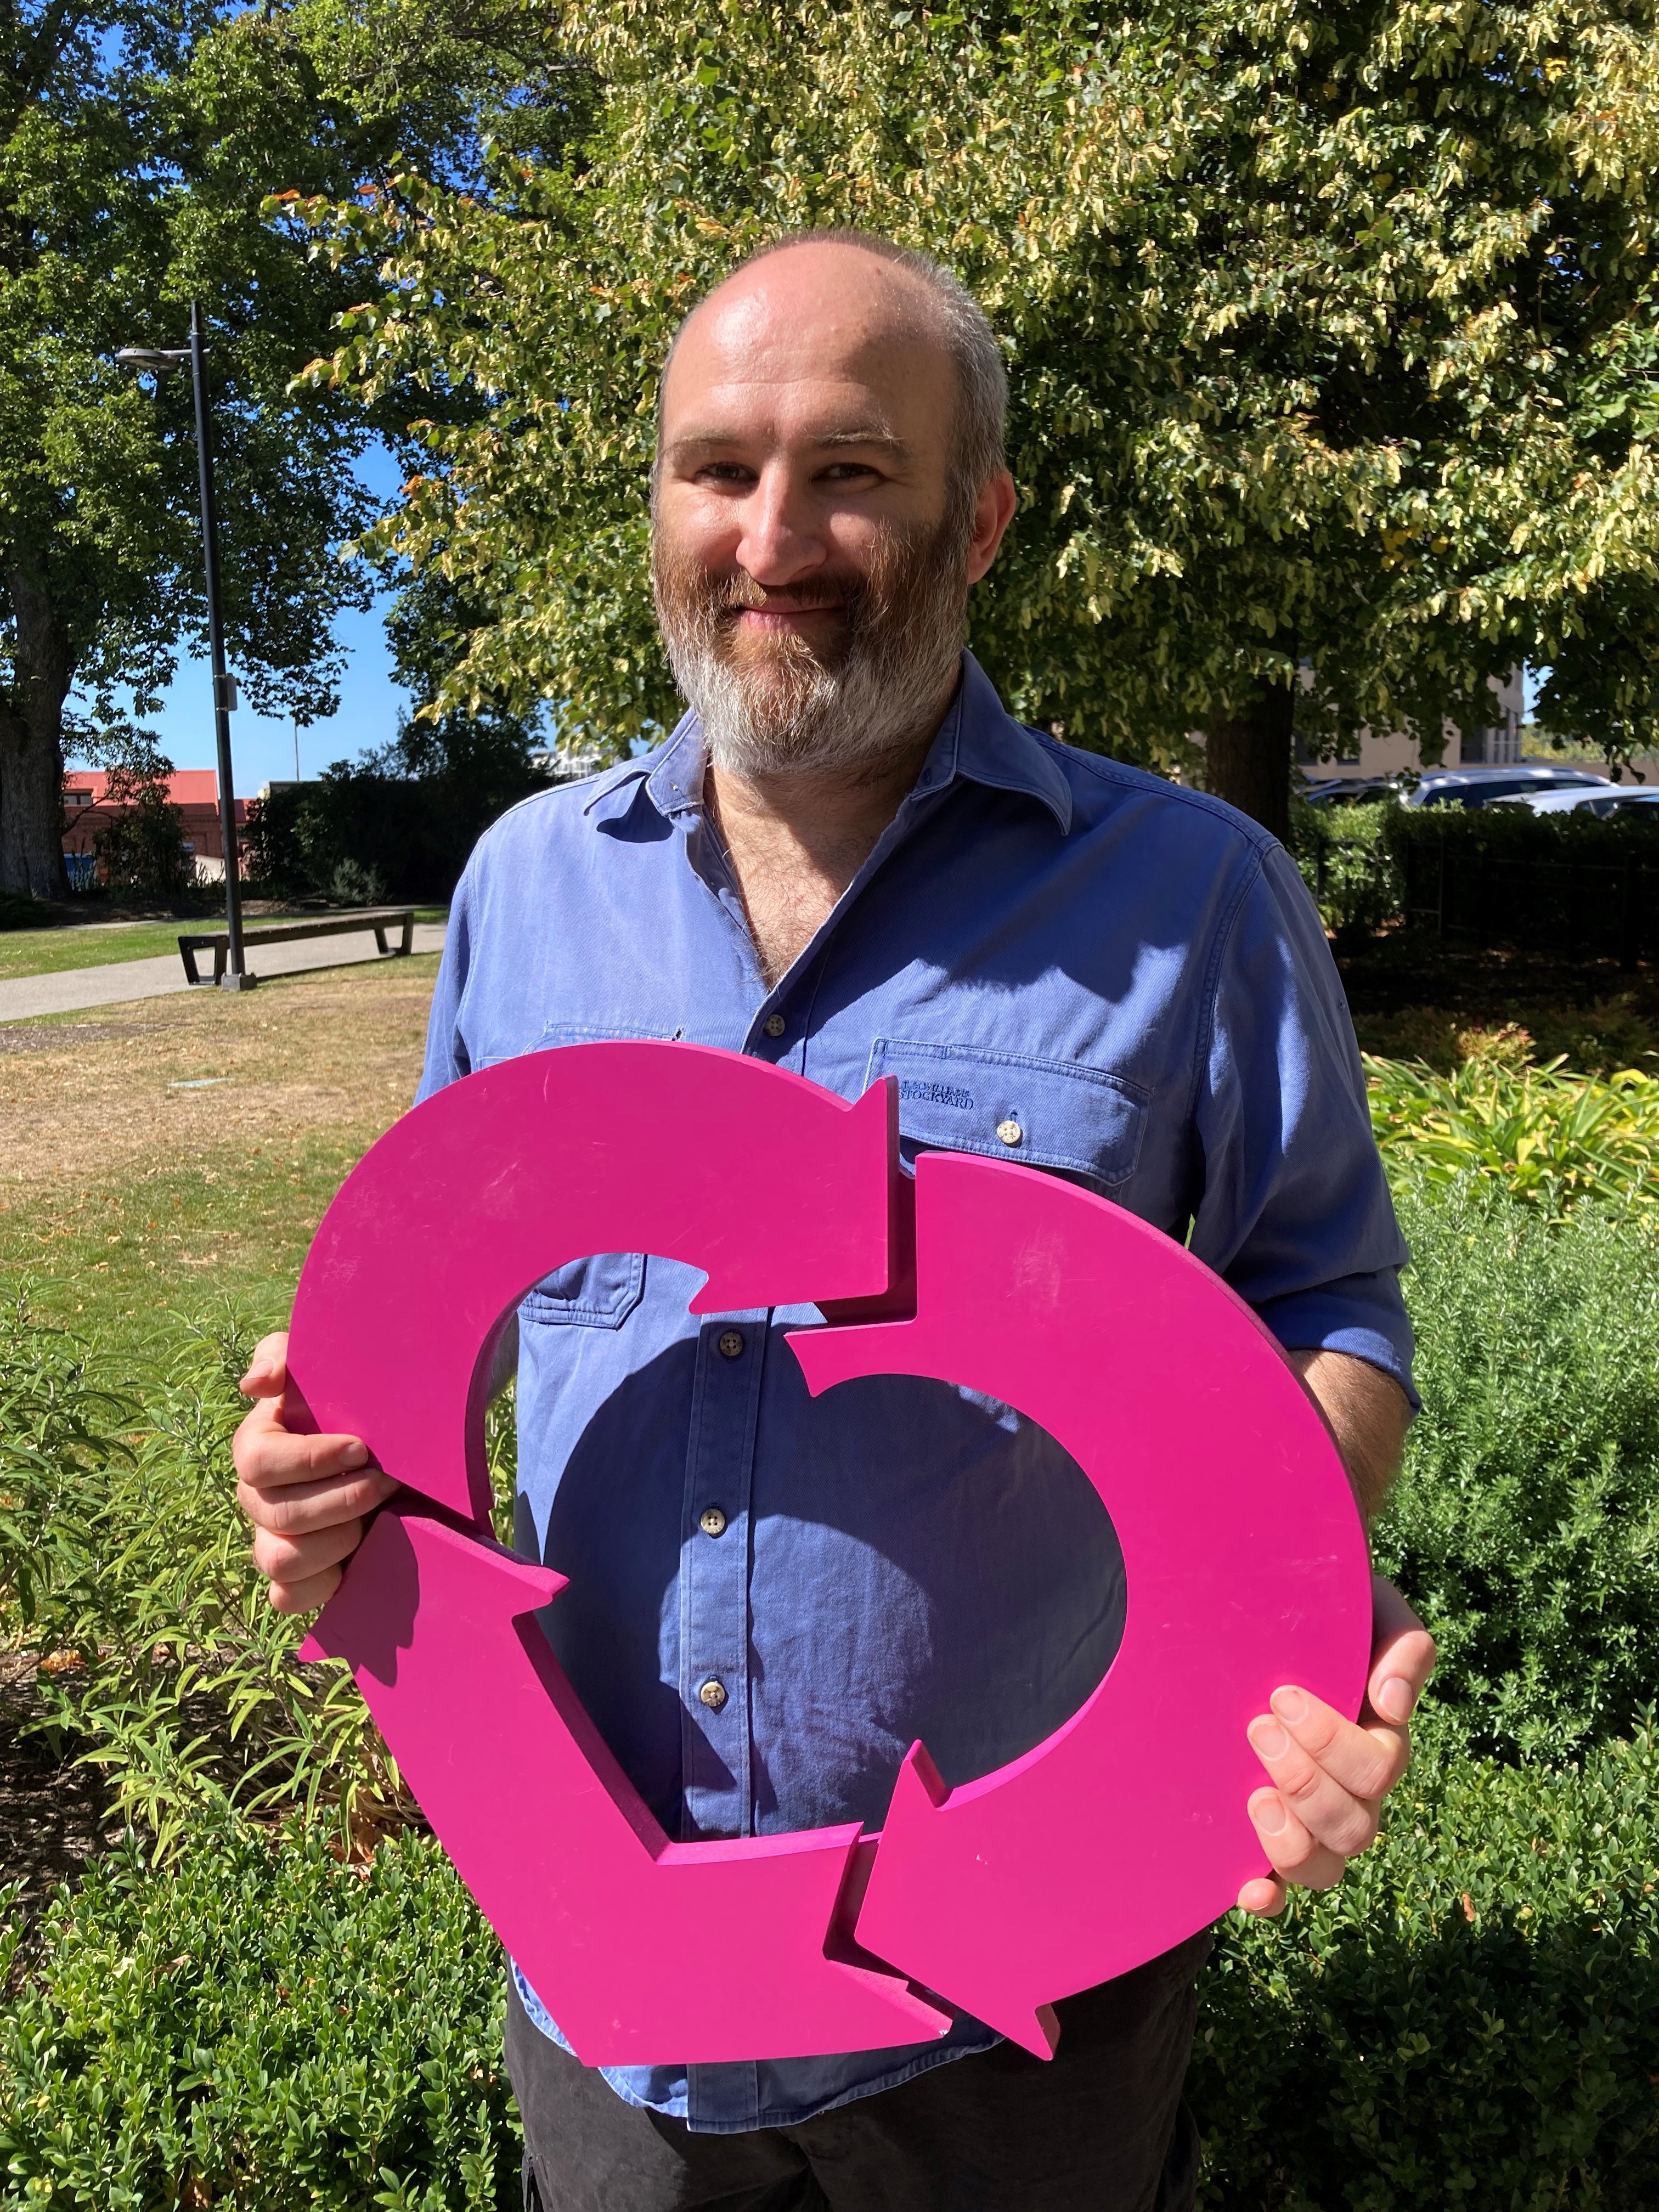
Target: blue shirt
(1132, 971)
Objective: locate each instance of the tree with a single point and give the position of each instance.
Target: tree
(1332, 335)
(139, 140)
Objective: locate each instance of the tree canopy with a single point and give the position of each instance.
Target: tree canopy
(1333, 336)
(139, 140)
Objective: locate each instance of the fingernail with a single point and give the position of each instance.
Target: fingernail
(1394, 1701)
(355, 1456)
(1268, 1740)
(1290, 1704)
(1270, 1816)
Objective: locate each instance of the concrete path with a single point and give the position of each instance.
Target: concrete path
(70, 988)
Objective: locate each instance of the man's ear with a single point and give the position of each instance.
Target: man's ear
(992, 515)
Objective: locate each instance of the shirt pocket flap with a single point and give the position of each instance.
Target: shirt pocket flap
(1054, 1113)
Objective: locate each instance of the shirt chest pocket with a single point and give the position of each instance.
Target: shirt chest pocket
(596, 1293)
(1054, 1113)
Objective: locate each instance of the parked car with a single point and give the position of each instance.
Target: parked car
(1609, 800)
(1350, 790)
(1483, 786)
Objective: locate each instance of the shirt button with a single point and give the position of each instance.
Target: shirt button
(711, 1520)
(730, 1344)
(1010, 1132)
(713, 1694)
(774, 1025)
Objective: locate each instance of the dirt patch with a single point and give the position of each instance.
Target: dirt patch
(53, 1813)
(41, 1036)
(97, 1101)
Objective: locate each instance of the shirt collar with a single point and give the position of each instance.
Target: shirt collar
(978, 740)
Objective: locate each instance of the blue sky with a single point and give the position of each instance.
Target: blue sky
(262, 751)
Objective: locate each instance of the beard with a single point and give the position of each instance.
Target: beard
(781, 704)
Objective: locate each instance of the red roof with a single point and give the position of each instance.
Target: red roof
(187, 786)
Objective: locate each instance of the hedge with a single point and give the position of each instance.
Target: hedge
(1566, 883)
(1471, 2019)
(259, 2027)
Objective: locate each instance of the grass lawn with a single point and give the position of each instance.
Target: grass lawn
(91, 945)
(174, 1153)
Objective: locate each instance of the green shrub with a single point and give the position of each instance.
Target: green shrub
(124, 1555)
(1471, 2019)
(1347, 865)
(1548, 1137)
(1525, 1527)
(260, 2028)
(397, 823)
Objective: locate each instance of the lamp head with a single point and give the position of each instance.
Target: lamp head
(153, 358)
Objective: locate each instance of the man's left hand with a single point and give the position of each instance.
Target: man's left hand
(1328, 1775)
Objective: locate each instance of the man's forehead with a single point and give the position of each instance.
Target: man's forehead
(814, 409)
(835, 319)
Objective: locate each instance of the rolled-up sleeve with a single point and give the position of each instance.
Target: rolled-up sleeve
(1294, 1213)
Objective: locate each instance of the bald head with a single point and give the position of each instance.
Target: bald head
(836, 283)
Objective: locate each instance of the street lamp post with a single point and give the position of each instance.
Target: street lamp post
(160, 361)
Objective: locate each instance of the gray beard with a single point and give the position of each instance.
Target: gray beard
(790, 713)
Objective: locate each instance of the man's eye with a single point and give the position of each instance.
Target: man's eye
(847, 472)
(725, 472)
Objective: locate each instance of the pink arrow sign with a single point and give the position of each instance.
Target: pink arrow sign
(1244, 1559)
(646, 1950)
(504, 1176)
(1245, 1567)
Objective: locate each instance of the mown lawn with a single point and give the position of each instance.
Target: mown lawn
(96, 944)
(176, 1153)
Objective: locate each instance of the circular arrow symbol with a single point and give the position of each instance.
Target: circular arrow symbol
(1244, 1560)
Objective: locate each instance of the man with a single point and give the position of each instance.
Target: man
(849, 861)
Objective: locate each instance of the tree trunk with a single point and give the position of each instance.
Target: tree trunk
(32, 737)
(1247, 761)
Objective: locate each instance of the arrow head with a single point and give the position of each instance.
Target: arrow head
(975, 1976)
(370, 1618)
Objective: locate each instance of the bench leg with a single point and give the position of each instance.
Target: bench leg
(220, 954)
(408, 944)
(380, 939)
(187, 954)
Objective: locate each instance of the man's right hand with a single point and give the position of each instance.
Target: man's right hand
(306, 1496)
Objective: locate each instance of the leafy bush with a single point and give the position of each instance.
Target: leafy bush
(399, 824)
(261, 2027)
(1471, 2019)
(1347, 866)
(1525, 1527)
(140, 850)
(123, 1559)
(1548, 1137)
(19, 911)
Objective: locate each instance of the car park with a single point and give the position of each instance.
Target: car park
(1604, 804)
(1485, 787)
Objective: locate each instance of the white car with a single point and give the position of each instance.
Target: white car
(1610, 799)
(1490, 786)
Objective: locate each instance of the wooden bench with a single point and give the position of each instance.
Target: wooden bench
(380, 919)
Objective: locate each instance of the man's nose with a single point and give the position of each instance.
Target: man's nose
(781, 540)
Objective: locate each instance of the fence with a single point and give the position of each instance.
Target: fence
(1578, 904)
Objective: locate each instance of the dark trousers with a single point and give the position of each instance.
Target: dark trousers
(1098, 2128)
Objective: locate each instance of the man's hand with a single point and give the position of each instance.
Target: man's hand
(306, 1496)
(1329, 1775)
